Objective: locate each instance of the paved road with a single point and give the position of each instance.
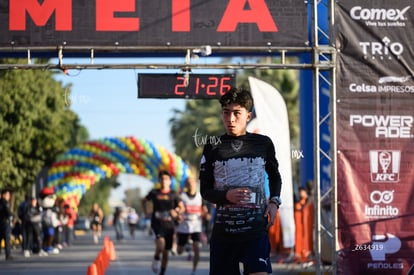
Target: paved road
(133, 257)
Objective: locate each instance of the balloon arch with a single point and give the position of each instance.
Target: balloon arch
(79, 168)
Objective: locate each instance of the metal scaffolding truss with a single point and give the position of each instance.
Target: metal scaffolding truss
(94, 56)
(328, 227)
(322, 56)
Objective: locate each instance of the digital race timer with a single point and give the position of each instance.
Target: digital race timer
(202, 86)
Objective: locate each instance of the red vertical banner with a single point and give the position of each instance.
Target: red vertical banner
(375, 140)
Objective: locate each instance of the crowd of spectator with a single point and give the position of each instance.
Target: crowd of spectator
(43, 225)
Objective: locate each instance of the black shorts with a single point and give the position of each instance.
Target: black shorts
(166, 231)
(182, 238)
(226, 256)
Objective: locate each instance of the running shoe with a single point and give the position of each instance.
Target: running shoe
(155, 266)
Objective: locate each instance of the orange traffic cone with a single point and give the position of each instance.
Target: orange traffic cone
(106, 241)
(92, 270)
(104, 257)
(100, 265)
(112, 254)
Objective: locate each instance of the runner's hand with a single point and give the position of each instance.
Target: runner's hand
(239, 195)
(270, 212)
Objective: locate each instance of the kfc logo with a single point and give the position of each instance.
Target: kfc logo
(384, 165)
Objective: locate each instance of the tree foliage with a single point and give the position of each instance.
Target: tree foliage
(36, 124)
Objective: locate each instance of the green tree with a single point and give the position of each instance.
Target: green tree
(36, 125)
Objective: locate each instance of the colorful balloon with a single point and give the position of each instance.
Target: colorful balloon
(79, 168)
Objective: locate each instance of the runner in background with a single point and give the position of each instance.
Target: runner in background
(96, 216)
(132, 220)
(166, 209)
(190, 227)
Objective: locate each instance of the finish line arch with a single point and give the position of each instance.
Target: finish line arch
(79, 168)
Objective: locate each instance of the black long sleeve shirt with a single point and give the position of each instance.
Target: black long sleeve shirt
(241, 161)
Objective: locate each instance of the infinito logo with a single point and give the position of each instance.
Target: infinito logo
(381, 205)
(385, 197)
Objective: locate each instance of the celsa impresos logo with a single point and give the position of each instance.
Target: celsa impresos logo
(381, 246)
(380, 206)
(385, 49)
(384, 165)
(386, 84)
(394, 79)
(385, 126)
(380, 17)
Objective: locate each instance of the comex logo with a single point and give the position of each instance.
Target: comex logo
(381, 246)
(382, 50)
(380, 17)
(385, 165)
(381, 207)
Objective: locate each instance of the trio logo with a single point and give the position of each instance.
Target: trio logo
(386, 126)
(381, 208)
(385, 49)
(385, 165)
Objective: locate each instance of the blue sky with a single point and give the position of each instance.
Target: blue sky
(107, 104)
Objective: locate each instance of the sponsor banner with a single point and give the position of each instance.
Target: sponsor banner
(375, 40)
(375, 92)
(367, 121)
(375, 144)
(375, 217)
(358, 79)
(135, 23)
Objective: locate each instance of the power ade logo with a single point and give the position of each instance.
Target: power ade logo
(389, 126)
(381, 246)
(381, 207)
(385, 49)
(385, 165)
(377, 17)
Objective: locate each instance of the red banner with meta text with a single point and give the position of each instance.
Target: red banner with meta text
(375, 118)
(138, 23)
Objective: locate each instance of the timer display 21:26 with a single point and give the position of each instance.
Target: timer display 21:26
(201, 86)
